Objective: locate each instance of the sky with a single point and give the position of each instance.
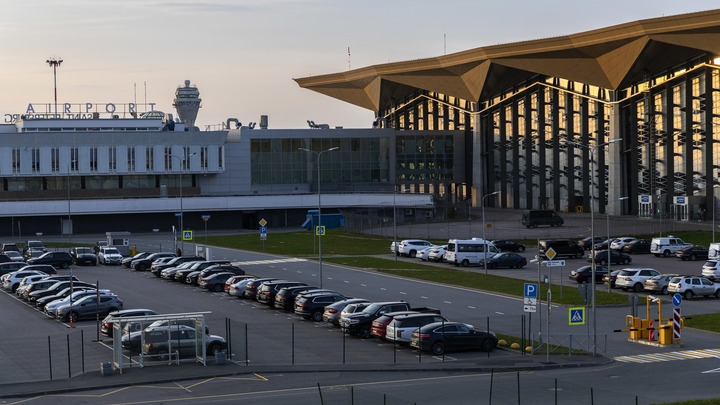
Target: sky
(243, 54)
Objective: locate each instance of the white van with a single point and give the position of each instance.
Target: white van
(714, 251)
(467, 252)
(667, 245)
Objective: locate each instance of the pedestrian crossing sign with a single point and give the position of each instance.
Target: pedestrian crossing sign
(577, 316)
(187, 235)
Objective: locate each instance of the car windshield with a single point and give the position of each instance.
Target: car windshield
(371, 308)
(35, 245)
(627, 272)
(660, 277)
(111, 251)
(83, 250)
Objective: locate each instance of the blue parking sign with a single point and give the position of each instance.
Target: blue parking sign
(530, 290)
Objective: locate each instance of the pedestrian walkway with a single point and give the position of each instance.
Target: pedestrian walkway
(670, 356)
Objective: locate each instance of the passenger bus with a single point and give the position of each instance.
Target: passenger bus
(470, 251)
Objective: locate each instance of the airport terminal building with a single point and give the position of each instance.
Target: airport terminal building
(638, 102)
(567, 123)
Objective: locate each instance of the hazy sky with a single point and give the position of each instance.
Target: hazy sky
(243, 54)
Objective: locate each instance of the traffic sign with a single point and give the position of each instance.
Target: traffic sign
(263, 222)
(576, 316)
(550, 253)
(320, 230)
(529, 308)
(529, 301)
(205, 217)
(187, 235)
(555, 263)
(178, 214)
(677, 299)
(263, 229)
(530, 290)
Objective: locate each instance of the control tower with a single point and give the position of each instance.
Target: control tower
(187, 103)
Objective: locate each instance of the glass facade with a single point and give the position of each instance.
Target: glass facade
(423, 158)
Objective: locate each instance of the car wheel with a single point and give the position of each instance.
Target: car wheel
(521, 249)
(465, 263)
(214, 349)
(437, 348)
(64, 265)
(492, 266)
(578, 255)
(218, 287)
(413, 253)
(717, 294)
(72, 317)
(626, 261)
(140, 267)
(637, 287)
(317, 316)
(666, 253)
(365, 333)
(689, 295)
(664, 291)
(487, 345)
(692, 258)
(603, 262)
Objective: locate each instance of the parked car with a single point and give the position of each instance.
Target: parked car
(33, 248)
(603, 245)
(423, 254)
(14, 256)
(692, 253)
(83, 255)
(11, 281)
(51, 307)
(637, 246)
(710, 270)
(126, 261)
(99, 245)
(168, 273)
(56, 288)
(690, 286)
(26, 282)
(180, 339)
(220, 268)
(588, 242)
(106, 326)
(215, 282)
(145, 262)
(437, 253)
(634, 278)
(508, 246)
(533, 218)
(39, 286)
(88, 307)
(157, 267)
(55, 259)
(584, 274)
(9, 247)
(601, 257)
(268, 290)
(441, 337)
(237, 289)
(132, 331)
(184, 275)
(312, 306)
(401, 327)
(561, 247)
(667, 245)
(410, 247)
(234, 279)
(508, 259)
(109, 255)
(611, 279)
(10, 267)
(659, 284)
(620, 242)
(332, 312)
(41, 302)
(285, 298)
(252, 286)
(379, 325)
(353, 308)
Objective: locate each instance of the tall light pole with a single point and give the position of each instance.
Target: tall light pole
(592, 227)
(395, 220)
(54, 63)
(607, 216)
(485, 244)
(714, 203)
(68, 200)
(319, 225)
(182, 169)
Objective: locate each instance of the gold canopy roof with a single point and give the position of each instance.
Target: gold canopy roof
(612, 57)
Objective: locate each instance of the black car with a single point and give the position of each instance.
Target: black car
(601, 257)
(588, 242)
(692, 253)
(637, 246)
(269, 289)
(62, 260)
(145, 263)
(156, 268)
(509, 260)
(216, 281)
(584, 274)
(285, 297)
(56, 288)
(182, 274)
(221, 268)
(441, 337)
(508, 246)
(251, 287)
(126, 261)
(312, 306)
(83, 255)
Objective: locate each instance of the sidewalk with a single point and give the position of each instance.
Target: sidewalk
(93, 380)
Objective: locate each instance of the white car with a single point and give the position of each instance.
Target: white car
(711, 270)
(14, 256)
(634, 279)
(52, 307)
(691, 286)
(26, 282)
(423, 254)
(667, 246)
(11, 281)
(620, 242)
(410, 247)
(109, 255)
(238, 289)
(437, 253)
(401, 327)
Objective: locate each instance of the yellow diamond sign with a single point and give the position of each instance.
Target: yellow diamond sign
(263, 222)
(550, 254)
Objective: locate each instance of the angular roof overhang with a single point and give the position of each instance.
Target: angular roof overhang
(611, 58)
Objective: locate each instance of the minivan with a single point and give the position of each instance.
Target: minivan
(562, 248)
(533, 218)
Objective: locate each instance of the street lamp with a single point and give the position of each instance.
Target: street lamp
(395, 220)
(54, 63)
(713, 214)
(319, 225)
(592, 226)
(182, 169)
(68, 200)
(482, 202)
(608, 232)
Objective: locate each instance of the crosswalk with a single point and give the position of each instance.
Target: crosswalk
(292, 260)
(670, 356)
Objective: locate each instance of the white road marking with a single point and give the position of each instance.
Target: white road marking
(423, 297)
(471, 307)
(363, 285)
(403, 293)
(447, 302)
(499, 313)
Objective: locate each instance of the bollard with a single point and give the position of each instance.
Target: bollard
(105, 369)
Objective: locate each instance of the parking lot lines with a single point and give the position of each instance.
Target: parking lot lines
(292, 260)
(679, 355)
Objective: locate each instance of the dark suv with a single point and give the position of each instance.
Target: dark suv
(55, 259)
(145, 263)
(312, 306)
(285, 297)
(561, 247)
(269, 289)
(156, 268)
(83, 255)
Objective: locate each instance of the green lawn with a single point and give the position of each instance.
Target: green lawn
(709, 322)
